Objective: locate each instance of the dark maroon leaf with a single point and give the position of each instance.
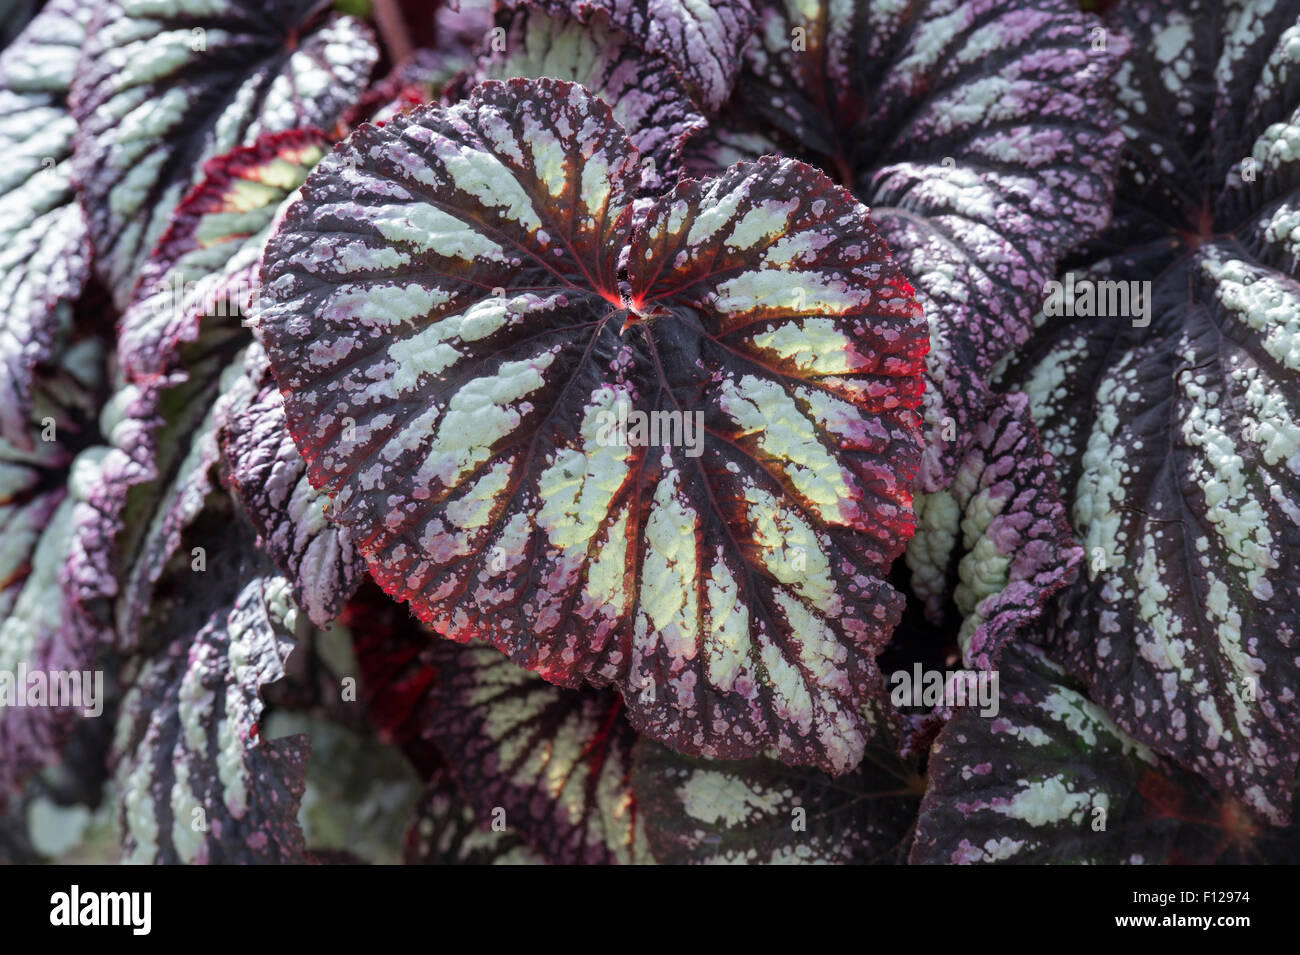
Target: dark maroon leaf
(702, 41)
(1169, 390)
(44, 247)
(1049, 779)
(205, 264)
(1004, 524)
(1215, 829)
(146, 488)
(175, 344)
(980, 134)
(35, 518)
(552, 765)
(442, 312)
(40, 651)
(761, 812)
(1052, 779)
(262, 467)
(196, 782)
(446, 831)
(646, 98)
(160, 90)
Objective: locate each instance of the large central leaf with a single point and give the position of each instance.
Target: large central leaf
(458, 356)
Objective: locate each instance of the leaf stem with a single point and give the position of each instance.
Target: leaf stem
(393, 31)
